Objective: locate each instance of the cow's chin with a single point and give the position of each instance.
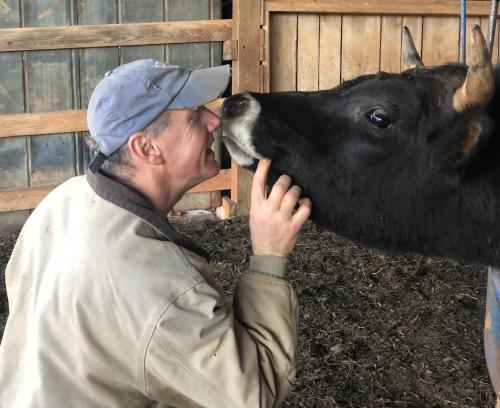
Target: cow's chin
(240, 156)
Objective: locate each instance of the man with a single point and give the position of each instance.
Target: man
(112, 307)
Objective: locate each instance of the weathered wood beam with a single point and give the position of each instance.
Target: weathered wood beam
(380, 7)
(29, 198)
(36, 124)
(113, 35)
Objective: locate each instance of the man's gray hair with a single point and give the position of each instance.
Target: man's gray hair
(118, 162)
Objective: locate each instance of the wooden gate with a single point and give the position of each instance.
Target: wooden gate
(315, 45)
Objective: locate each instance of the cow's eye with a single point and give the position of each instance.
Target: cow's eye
(379, 119)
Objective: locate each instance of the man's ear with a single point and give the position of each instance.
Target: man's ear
(465, 141)
(143, 149)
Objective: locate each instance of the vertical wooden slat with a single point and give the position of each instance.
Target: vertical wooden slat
(330, 50)
(141, 11)
(246, 77)
(440, 43)
(49, 88)
(415, 26)
(390, 43)
(360, 45)
(308, 52)
(95, 62)
(283, 52)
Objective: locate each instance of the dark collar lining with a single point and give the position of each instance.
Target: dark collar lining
(131, 200)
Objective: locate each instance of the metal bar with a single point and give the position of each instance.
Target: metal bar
(463, 19)
(492, 25)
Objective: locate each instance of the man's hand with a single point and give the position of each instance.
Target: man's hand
(274, 223)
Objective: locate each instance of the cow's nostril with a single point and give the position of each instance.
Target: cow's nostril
(235, 106)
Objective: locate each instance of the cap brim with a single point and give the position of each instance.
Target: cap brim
(202, 86)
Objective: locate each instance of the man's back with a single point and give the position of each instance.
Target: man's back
(82, 309)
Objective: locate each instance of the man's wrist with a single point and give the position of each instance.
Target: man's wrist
(270, 264)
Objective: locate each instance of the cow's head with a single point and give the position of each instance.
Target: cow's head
(380, 154)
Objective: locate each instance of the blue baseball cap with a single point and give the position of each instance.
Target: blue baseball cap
(132, 95)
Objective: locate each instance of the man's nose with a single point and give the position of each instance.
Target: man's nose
(213, 121)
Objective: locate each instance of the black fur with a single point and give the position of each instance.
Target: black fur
(417, 186)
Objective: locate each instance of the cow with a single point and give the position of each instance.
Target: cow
(406, 162)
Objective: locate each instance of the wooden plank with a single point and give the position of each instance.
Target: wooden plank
(379, 7)
(330, 50)
(415, 24)
(360, 46)
(390, 53)
(440, 41)
(49, 87)
(246, 77)
(283, 52)
(34, 124)
(112, 35)
(29, 198)
(141, 11)
(308, 52)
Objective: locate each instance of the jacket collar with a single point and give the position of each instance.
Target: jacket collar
(131, 200)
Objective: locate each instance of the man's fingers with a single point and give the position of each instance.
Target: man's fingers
(259, 181)
(291, 198)
(279, 190)
(303, 212)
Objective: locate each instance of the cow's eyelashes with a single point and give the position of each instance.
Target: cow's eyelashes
(379, 119)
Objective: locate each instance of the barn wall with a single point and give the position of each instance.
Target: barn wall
(311, 51)
(44, 81)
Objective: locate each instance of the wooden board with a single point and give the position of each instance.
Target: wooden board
(379, 7)
(440, 43)
(330, 50)
(114, 35)
(308, 52)
(390, 43)
(57, 122)
(28, 198)
(283, 52)
(246, 77)
(360, 46)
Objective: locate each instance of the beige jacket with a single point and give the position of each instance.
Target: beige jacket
(111, 307)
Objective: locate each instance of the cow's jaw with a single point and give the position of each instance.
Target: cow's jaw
(239, 116)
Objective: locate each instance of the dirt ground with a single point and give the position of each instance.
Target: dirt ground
(377, 330)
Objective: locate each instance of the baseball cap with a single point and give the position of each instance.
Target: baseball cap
(132, 95)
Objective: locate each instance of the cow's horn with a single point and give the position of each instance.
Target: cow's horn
(479, 85)
(411, 58)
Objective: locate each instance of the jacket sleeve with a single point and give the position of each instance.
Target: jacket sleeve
(204, 352)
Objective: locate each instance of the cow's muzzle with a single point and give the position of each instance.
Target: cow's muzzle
(239, 116)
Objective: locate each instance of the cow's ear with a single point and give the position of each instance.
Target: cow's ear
(467, 138)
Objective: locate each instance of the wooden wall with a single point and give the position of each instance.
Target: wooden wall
(60, 80)
(311, 50)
